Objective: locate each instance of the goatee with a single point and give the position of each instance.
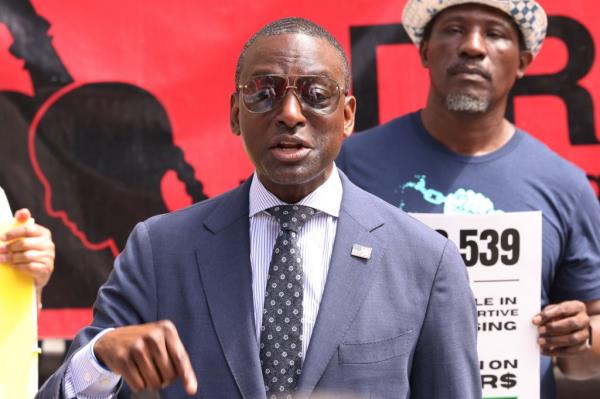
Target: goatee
(465, 103)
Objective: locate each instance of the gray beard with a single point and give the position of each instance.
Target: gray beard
(464, 103)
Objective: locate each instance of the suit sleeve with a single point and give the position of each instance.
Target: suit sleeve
(128, 297)
(445, 363)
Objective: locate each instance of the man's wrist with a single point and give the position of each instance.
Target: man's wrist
(97, 361)
(86, 377)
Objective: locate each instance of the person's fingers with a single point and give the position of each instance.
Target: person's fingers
(21, 259)
(558, 311)
(113, 349)
(30, 264)
(37, 264)
(180, 358)
(145, 365)
(574, 339)
(40, 243)
(31, 255)
(537, 319)
(564, 327)
(25, 230)
(147, 356)
(564, 351)
(158, 352)
(5, 257)
(22, 215)
(131, 374)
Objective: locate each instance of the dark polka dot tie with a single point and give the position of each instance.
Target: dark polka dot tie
(281, 330)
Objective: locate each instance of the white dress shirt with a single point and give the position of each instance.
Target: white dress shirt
(315, 240)
(87, 379)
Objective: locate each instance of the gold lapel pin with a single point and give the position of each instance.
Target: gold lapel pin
(360, 251)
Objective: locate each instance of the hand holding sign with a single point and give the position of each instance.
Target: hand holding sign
(18, 334)
(502, 253)
(563, 328)
(29, 248)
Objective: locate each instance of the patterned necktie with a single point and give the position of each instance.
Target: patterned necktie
(281, 331)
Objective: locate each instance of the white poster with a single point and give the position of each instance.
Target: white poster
(5, 213)
(503, 255)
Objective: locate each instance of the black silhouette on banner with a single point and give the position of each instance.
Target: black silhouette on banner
(87, 159)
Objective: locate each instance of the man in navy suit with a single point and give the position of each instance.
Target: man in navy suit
(382, 304)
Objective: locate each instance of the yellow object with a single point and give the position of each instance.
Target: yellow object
(18, 331)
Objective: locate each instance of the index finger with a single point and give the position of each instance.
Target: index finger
(26, 230)
(180, 359)
(37, 243)
(559, 311)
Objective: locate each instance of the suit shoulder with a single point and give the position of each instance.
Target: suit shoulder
(401, 221)
(193, 214)
(411, 247)
(397, 224)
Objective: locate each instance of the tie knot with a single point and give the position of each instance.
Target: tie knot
(292, 217)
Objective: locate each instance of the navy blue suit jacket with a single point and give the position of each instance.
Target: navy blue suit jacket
(399, 325)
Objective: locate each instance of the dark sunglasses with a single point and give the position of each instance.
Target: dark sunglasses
(318, 94)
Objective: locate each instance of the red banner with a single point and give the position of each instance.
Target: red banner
(114, 111)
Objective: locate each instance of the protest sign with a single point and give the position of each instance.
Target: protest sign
(502, 253)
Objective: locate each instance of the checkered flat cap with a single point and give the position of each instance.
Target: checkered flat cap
(529, 16)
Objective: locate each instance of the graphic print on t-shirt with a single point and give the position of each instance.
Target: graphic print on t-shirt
(463, 201)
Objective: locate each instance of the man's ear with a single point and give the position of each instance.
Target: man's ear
(423, 53)
(349, 115)
(234, 114)
(525, 59)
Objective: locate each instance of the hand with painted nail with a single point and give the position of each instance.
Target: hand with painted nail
(563, 329)
(29, 248)
(147, 356)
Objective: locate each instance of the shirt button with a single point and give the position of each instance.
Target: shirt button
(87, 376)
(104, 381)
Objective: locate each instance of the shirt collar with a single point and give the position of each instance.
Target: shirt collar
(326, 198)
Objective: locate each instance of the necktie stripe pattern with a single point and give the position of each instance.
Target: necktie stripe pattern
(281, 330)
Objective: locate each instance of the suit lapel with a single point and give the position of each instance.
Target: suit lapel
(224, 263)
(348, 281)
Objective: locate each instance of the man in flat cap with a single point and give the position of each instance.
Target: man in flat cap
(461, 143)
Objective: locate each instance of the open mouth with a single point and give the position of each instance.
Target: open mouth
(289, 146)
(289, 151)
